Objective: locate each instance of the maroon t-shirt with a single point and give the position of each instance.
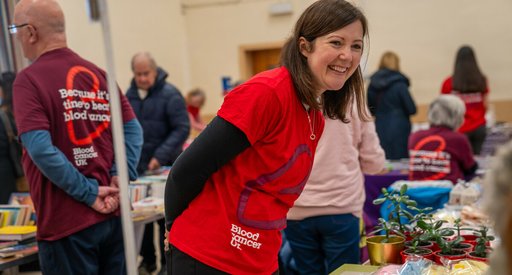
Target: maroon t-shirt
(67, 96)
(439, 154)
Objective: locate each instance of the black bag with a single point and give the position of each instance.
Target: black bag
(14, 145)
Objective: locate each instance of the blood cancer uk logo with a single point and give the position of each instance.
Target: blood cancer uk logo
(429, 155)
(241, 237)
(86, 113)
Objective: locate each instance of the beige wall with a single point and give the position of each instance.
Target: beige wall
(198, 44)
(159, 29)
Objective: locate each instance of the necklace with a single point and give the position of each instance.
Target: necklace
(311, 126)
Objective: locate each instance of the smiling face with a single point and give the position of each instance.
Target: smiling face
(334, 57)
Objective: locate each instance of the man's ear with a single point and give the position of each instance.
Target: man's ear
(33, 34)
(304, 47)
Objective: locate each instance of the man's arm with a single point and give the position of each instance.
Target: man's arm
(56, 167)
(179, 130)
(133, 140)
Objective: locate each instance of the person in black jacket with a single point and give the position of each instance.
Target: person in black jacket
(8, 182)
(162, 112)
(391, 103)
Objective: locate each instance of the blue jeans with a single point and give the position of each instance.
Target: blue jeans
(323, 243)
(98, 249)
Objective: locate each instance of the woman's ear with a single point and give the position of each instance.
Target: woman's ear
(304, 46)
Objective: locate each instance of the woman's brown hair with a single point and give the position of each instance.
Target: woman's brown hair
(321, 18)
(467, 77)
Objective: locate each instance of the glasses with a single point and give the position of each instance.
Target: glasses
(14, 28)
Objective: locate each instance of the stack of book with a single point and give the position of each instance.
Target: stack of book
(17, 240)
(17, 233)
(139, 190)
(147, 207)
(17, 249)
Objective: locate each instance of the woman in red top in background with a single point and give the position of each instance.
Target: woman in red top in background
(195, 101)
(470, 85)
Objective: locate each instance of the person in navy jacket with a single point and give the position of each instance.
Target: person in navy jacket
(162, 112)
(391, 103)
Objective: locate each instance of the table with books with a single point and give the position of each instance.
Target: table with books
(17, 230)
(147, 198)
(17, 246)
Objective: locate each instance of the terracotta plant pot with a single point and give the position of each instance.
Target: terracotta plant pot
(384, 253)
(423, 252)
(461, 254)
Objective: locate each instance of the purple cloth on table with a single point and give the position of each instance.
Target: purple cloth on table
(373, 185)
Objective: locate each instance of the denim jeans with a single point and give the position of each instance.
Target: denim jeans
(323, 243)
(98, 249)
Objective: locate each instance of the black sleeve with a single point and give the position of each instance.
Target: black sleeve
(220, 142)
(471, 171)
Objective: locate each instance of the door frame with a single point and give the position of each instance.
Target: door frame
(245, 57)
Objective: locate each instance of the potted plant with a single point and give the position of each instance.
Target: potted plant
(448, 250)
(482, 248)
(383, 249)
(398, 202)
(415, 249)
(413, 231)
(433, 231)
(466, 246)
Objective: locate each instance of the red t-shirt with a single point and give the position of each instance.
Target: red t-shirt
(194, 111)
(67, 96)
(475, 107)
(439, 154)
(234, 224)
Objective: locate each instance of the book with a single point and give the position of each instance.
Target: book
(355, 269)
(17, 249)
(147, 207)
(21, 198)
(4, 244)
(17, 214)
(5, 217)
(24, 198)
(17, 233)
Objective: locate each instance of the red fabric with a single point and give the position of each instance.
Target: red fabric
(194, 111)
(56, 94)
(234, 224)
(439, 154)
(475, 107)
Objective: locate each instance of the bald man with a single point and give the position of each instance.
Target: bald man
(162, 112)
(61, 104)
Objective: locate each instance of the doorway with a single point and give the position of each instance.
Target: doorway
(256, 58)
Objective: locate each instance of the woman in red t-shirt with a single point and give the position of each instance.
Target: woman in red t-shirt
(470, 85)
(195, 100)
(228, 194)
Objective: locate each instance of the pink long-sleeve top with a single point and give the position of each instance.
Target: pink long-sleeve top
(336, 184)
